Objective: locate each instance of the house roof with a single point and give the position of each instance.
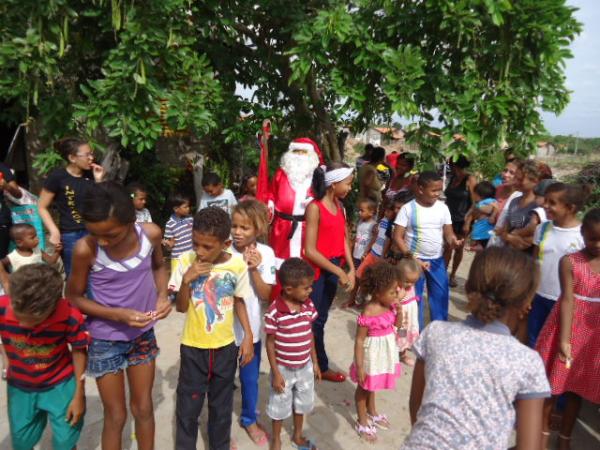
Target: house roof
(395, 133)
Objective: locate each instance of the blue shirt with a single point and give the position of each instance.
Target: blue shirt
(482, 227)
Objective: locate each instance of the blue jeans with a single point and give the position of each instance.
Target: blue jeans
(438, 291)
(68, 240)
(322, 295)
(249, 381)
(540, 310)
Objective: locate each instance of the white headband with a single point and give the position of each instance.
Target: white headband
(336, 175)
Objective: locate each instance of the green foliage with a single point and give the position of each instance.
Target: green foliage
(590, 175)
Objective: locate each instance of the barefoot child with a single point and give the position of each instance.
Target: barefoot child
(473, 381)
(139, 197)
(570, 340)
(376, 366)
(28, 250)
(211, 286)
(250, 220)
(291, 352)
(120, 263)
(409, 272)
(38, 324)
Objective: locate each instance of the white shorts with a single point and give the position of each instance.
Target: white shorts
(299, 393)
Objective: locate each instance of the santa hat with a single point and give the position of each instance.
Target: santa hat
(308, 145)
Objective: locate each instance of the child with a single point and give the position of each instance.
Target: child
(400, 199)
(473, 381)
(250, 220)
(326, 248)
(409, 272)
(45, 378)
(376, 366)
(422, 225)
(178, 229)
(569, 342)
(139, 196)
(215, 194)
(211, 284)
(291, 352)
(121, 264)
(482, 215)
(248, 188)
(553, 239)
(28, 250)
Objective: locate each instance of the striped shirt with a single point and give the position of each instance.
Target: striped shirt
(179, 229)
(381, 239)
(39, 358)
(292, 330)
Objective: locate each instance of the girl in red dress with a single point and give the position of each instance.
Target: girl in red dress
(327, 248)
(569, 343)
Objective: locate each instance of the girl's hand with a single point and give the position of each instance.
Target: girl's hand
(54, 239)
(362, 376)
(253, 258)
(58, 247)
(196, 270)
(98, 172)
(163, 307)
(278, 383)
(564, 351)
(343, 279)
(76, 410)
(133, 318)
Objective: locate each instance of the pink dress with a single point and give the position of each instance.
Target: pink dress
(583, 378)
(381, 362)
(408, 332)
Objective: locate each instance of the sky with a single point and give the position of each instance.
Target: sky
(582, 116)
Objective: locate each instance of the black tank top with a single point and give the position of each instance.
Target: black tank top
(458, 200)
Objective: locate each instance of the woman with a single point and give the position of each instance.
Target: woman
(370, 184)
(9, 185)
(402, 180)
(65, 188)
(458, 198)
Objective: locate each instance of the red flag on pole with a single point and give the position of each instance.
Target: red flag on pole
(262, 188)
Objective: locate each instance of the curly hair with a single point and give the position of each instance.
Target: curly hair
(256, 212)
(379, 277)
(530, 169)
(213, 221)
(35, 289)
(407, 264)
(500, 278)
(293, 271)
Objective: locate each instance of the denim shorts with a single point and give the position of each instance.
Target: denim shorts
(113, 356)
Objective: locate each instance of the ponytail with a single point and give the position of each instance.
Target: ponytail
(318, 183)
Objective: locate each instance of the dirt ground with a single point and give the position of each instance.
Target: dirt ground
(330, 425)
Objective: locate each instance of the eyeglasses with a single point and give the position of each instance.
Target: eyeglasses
(85, 155)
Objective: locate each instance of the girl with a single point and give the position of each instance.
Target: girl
(409, 272)
(376, 366)
(570, 340)
(248, 187)
(559, 236)
(249, 221)
(472, 378)
(123, 263)
(66, 188)
(139, 196)
(326, 247)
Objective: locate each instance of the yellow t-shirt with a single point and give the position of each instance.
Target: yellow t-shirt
(209, 320)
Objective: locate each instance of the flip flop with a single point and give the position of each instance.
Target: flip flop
(380, 421)
(308, 446)
(366, 432)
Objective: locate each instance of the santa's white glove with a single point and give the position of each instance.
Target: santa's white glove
(271, 208)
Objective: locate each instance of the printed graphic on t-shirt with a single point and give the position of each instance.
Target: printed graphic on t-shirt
(220, 203)
(214, 293)
(70, 196)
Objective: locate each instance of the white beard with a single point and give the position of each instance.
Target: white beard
(299, 168)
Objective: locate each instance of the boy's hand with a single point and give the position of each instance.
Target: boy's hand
(425, 265)
(196, 270)
(133, 318)
(246, 351)
(278, 383)
(317, 372)
(76, 410)
(163, 307)
(58, 247)
(253, 258)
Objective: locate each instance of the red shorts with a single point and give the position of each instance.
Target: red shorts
(369, 260)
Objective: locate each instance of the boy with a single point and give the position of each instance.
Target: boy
(178, 229)
(45, 379)
(211, 285)
(422, 225)
(482, 215)
(28, 250)
(215, 194)
(291, 351)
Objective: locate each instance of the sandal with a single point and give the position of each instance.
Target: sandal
(366, 432)
(380, 421)
(308, 446)
(258, 436)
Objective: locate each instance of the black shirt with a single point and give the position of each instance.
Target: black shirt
(5, 217)
(458, 200)
(69, 192)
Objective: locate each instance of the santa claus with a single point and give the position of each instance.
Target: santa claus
(288, 196)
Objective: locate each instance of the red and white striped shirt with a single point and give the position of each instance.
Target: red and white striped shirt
(292, 330)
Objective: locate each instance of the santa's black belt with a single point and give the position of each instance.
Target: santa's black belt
(294, 219)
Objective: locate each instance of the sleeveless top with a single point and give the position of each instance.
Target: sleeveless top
(127, 283)
(331, 234)
(458, 200)
(586, 283)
